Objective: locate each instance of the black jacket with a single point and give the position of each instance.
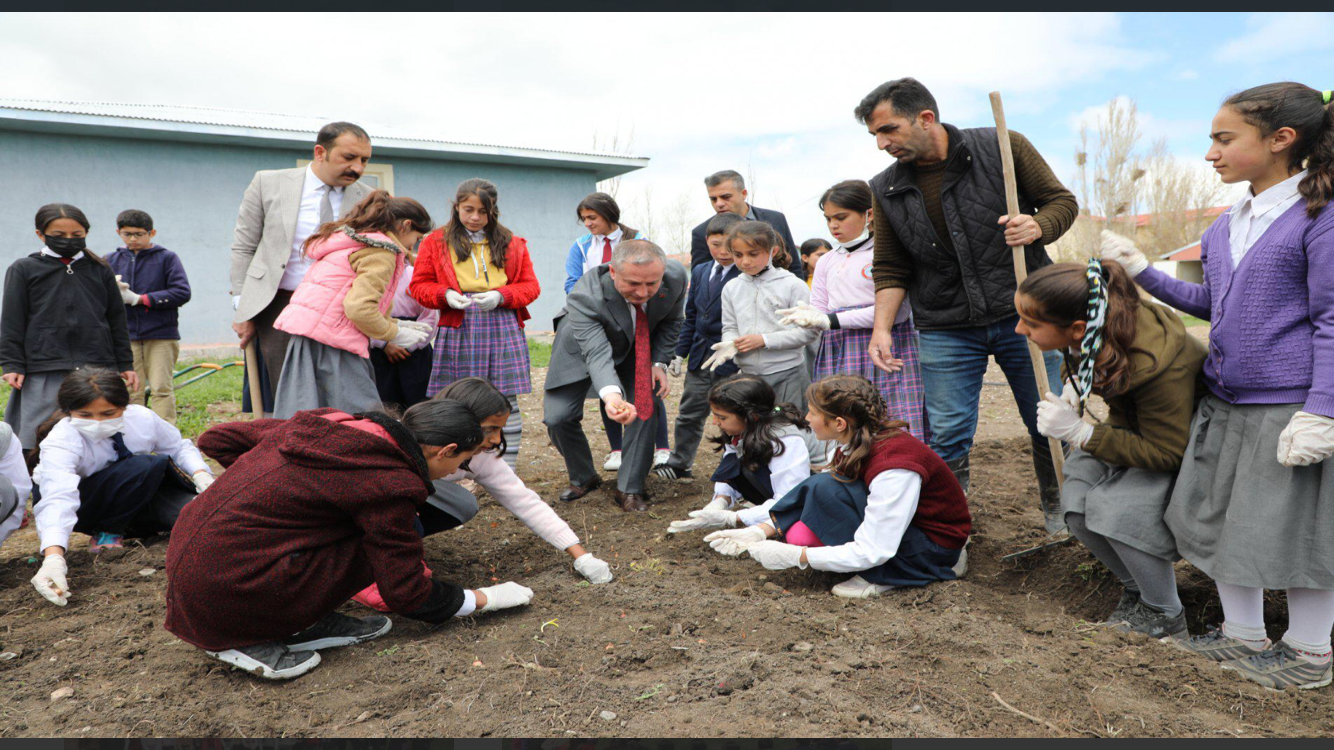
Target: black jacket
(699, 246)
(56, 317)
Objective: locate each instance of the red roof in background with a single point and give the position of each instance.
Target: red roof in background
(1188, 252)
(1143, 220)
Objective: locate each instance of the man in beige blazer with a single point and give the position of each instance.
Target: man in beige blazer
(281, 208)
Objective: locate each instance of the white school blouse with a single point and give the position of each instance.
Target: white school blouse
(67, 456)
(785, 472)
(889, 509)
(1253, 214)
(499, 480)
(15, 470)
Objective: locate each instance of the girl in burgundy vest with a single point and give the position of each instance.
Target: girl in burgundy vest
(889, 510)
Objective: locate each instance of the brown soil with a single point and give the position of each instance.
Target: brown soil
(683, 643)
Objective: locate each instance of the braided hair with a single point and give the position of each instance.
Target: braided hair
(854, 399)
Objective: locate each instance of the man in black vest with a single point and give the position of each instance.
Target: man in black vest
(727, 194)
(943, 239)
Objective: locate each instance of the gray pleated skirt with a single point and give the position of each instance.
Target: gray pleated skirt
(1124, 503)
(790, 386)
(315, 376)
(30, 405)
(1241, 516)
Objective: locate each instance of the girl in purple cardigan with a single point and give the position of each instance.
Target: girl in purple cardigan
(1253, 506)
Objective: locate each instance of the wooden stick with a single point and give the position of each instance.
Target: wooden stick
(1021, 269)
(1028, 716)
(252, 372)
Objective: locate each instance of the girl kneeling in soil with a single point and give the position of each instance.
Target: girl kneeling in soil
(451, 505)
(1118, 476)
(106, 469)
(767, 450)
(889, 510)
(312, 510)
(1254, 501)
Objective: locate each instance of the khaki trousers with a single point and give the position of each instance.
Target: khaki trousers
(154, 362)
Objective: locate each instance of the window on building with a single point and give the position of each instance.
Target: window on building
(378, 176)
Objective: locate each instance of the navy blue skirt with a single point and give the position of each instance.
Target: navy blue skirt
(754, 486)
(136, 496)
(833, 509)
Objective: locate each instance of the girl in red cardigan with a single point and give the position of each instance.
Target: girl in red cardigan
(479, 274)
(890, 510)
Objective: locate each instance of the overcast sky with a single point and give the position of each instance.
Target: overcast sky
(769, 95)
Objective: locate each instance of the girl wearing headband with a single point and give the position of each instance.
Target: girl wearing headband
(1118, 477)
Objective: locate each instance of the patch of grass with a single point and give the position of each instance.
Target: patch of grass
(539, 353)
(1191, 321)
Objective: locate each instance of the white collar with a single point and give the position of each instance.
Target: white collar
(53, 254)
(725, 269)
(1276, 195)
(858, 244)
(614, 236)
(476, 237)
(316, 183)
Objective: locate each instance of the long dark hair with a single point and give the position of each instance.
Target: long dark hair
(760, 234)
(443, 422)
(1305, 110)
(860, 403)
(77, 390)
(1060, 296)
(377, 212)
(52, 211)
(605, 206)
(482, 399)
(752, 399)
(496, 233)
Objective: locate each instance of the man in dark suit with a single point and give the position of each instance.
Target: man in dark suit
(727, 193)
(617, 335)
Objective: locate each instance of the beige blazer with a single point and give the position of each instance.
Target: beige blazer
(262, 242)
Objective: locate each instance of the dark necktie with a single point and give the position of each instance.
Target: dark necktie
(643, 367)
(606, 249)
(118, 442)
(714, 279)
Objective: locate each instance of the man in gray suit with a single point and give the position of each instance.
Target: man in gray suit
(281, 208)
(617, 333)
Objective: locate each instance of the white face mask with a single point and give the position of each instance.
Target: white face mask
(94, 429)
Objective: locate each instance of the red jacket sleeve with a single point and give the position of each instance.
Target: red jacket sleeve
(426, 286)
(522, 288)
(226, 443)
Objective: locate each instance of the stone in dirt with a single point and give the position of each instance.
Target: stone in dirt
(607, 716)
(61, 694)
(802, 647)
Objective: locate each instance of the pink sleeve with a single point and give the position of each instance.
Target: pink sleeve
(500, 481)
(819, 294)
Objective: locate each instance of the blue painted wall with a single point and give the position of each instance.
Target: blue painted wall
(193, 190)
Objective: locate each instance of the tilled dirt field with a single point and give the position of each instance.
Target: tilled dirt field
(683, 643)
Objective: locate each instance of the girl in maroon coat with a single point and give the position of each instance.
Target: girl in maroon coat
(310, 511)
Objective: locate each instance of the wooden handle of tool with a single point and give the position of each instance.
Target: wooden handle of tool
(1021, 267)
(252, 372)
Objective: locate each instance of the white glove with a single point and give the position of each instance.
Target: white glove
(804, 316)
(722, 352)
(457, 300)
(590, 567)
(202, 480)
(1123, 251)
(705, 518)
(677, 365)
(411, 333)
(733, 542)
(1308, 439)
(1058, 417)
(487, 300)
(777, 555)
(50, 580)
(721, 502)
(505, 595)
(126, 296)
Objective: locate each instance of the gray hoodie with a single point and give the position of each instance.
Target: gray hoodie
(751, 305)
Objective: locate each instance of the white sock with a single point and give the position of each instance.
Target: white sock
(1247, 634)
(1243, 607)
(1310, 619)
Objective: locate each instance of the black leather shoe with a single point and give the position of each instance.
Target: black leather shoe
(576, 491)
(630, 501)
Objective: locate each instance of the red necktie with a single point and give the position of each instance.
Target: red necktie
(606, 250)
(643, 367)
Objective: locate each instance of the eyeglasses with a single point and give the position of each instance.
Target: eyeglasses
(133, 235)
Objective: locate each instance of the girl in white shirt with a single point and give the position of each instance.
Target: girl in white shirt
(767, 450)
(106, 469)
(15, 485)
(889, 510)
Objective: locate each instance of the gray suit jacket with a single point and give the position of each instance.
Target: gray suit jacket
(262, 242)
(595, 337)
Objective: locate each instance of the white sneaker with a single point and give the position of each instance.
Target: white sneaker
(613, 462)
(857, 587)
(660, 457)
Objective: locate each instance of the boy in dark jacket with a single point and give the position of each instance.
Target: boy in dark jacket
(153, 285)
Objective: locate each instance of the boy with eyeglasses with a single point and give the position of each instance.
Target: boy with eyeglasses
(153, 285)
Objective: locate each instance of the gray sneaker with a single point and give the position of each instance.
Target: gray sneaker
(1216, 646)
(1281, 667)
(337, 629)
(1153, 622)
(1129, 598)
(272, 661)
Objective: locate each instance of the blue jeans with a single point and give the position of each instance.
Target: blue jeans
(953, 362)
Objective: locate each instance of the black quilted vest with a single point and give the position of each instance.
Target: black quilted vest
(974, 285)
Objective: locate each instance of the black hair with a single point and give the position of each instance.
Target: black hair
(1306, 111)
(854, 195)
(722, 223)
(907, 96)
(52, 211)
(726, 175)
(330, 133)
(752, 399)
(482, 399)
(133, 217)
(605, 206)
(443, 422)
(813, 244)
(77, 390)
(760, 234)
(498, 236)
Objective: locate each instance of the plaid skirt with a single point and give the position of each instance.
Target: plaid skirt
(489, 345)
(846, 351)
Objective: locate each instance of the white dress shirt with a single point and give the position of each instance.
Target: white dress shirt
(67, 456)
(785, 472)
(593, 258)
(889, 511)
(307, 221)
(1252, 215)
(53, 254)
(15, 470)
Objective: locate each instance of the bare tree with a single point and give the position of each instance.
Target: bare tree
(1117, 169)
(678, 225)
(1176, 198)
(617, 146)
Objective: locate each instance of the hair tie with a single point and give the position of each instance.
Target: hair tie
(1092, 341)
(1326, 96)
(778, 408)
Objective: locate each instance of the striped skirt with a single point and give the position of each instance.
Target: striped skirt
(489, 345)
(846, 351)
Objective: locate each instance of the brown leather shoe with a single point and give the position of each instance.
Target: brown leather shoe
(630, 501)
(576, 491)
